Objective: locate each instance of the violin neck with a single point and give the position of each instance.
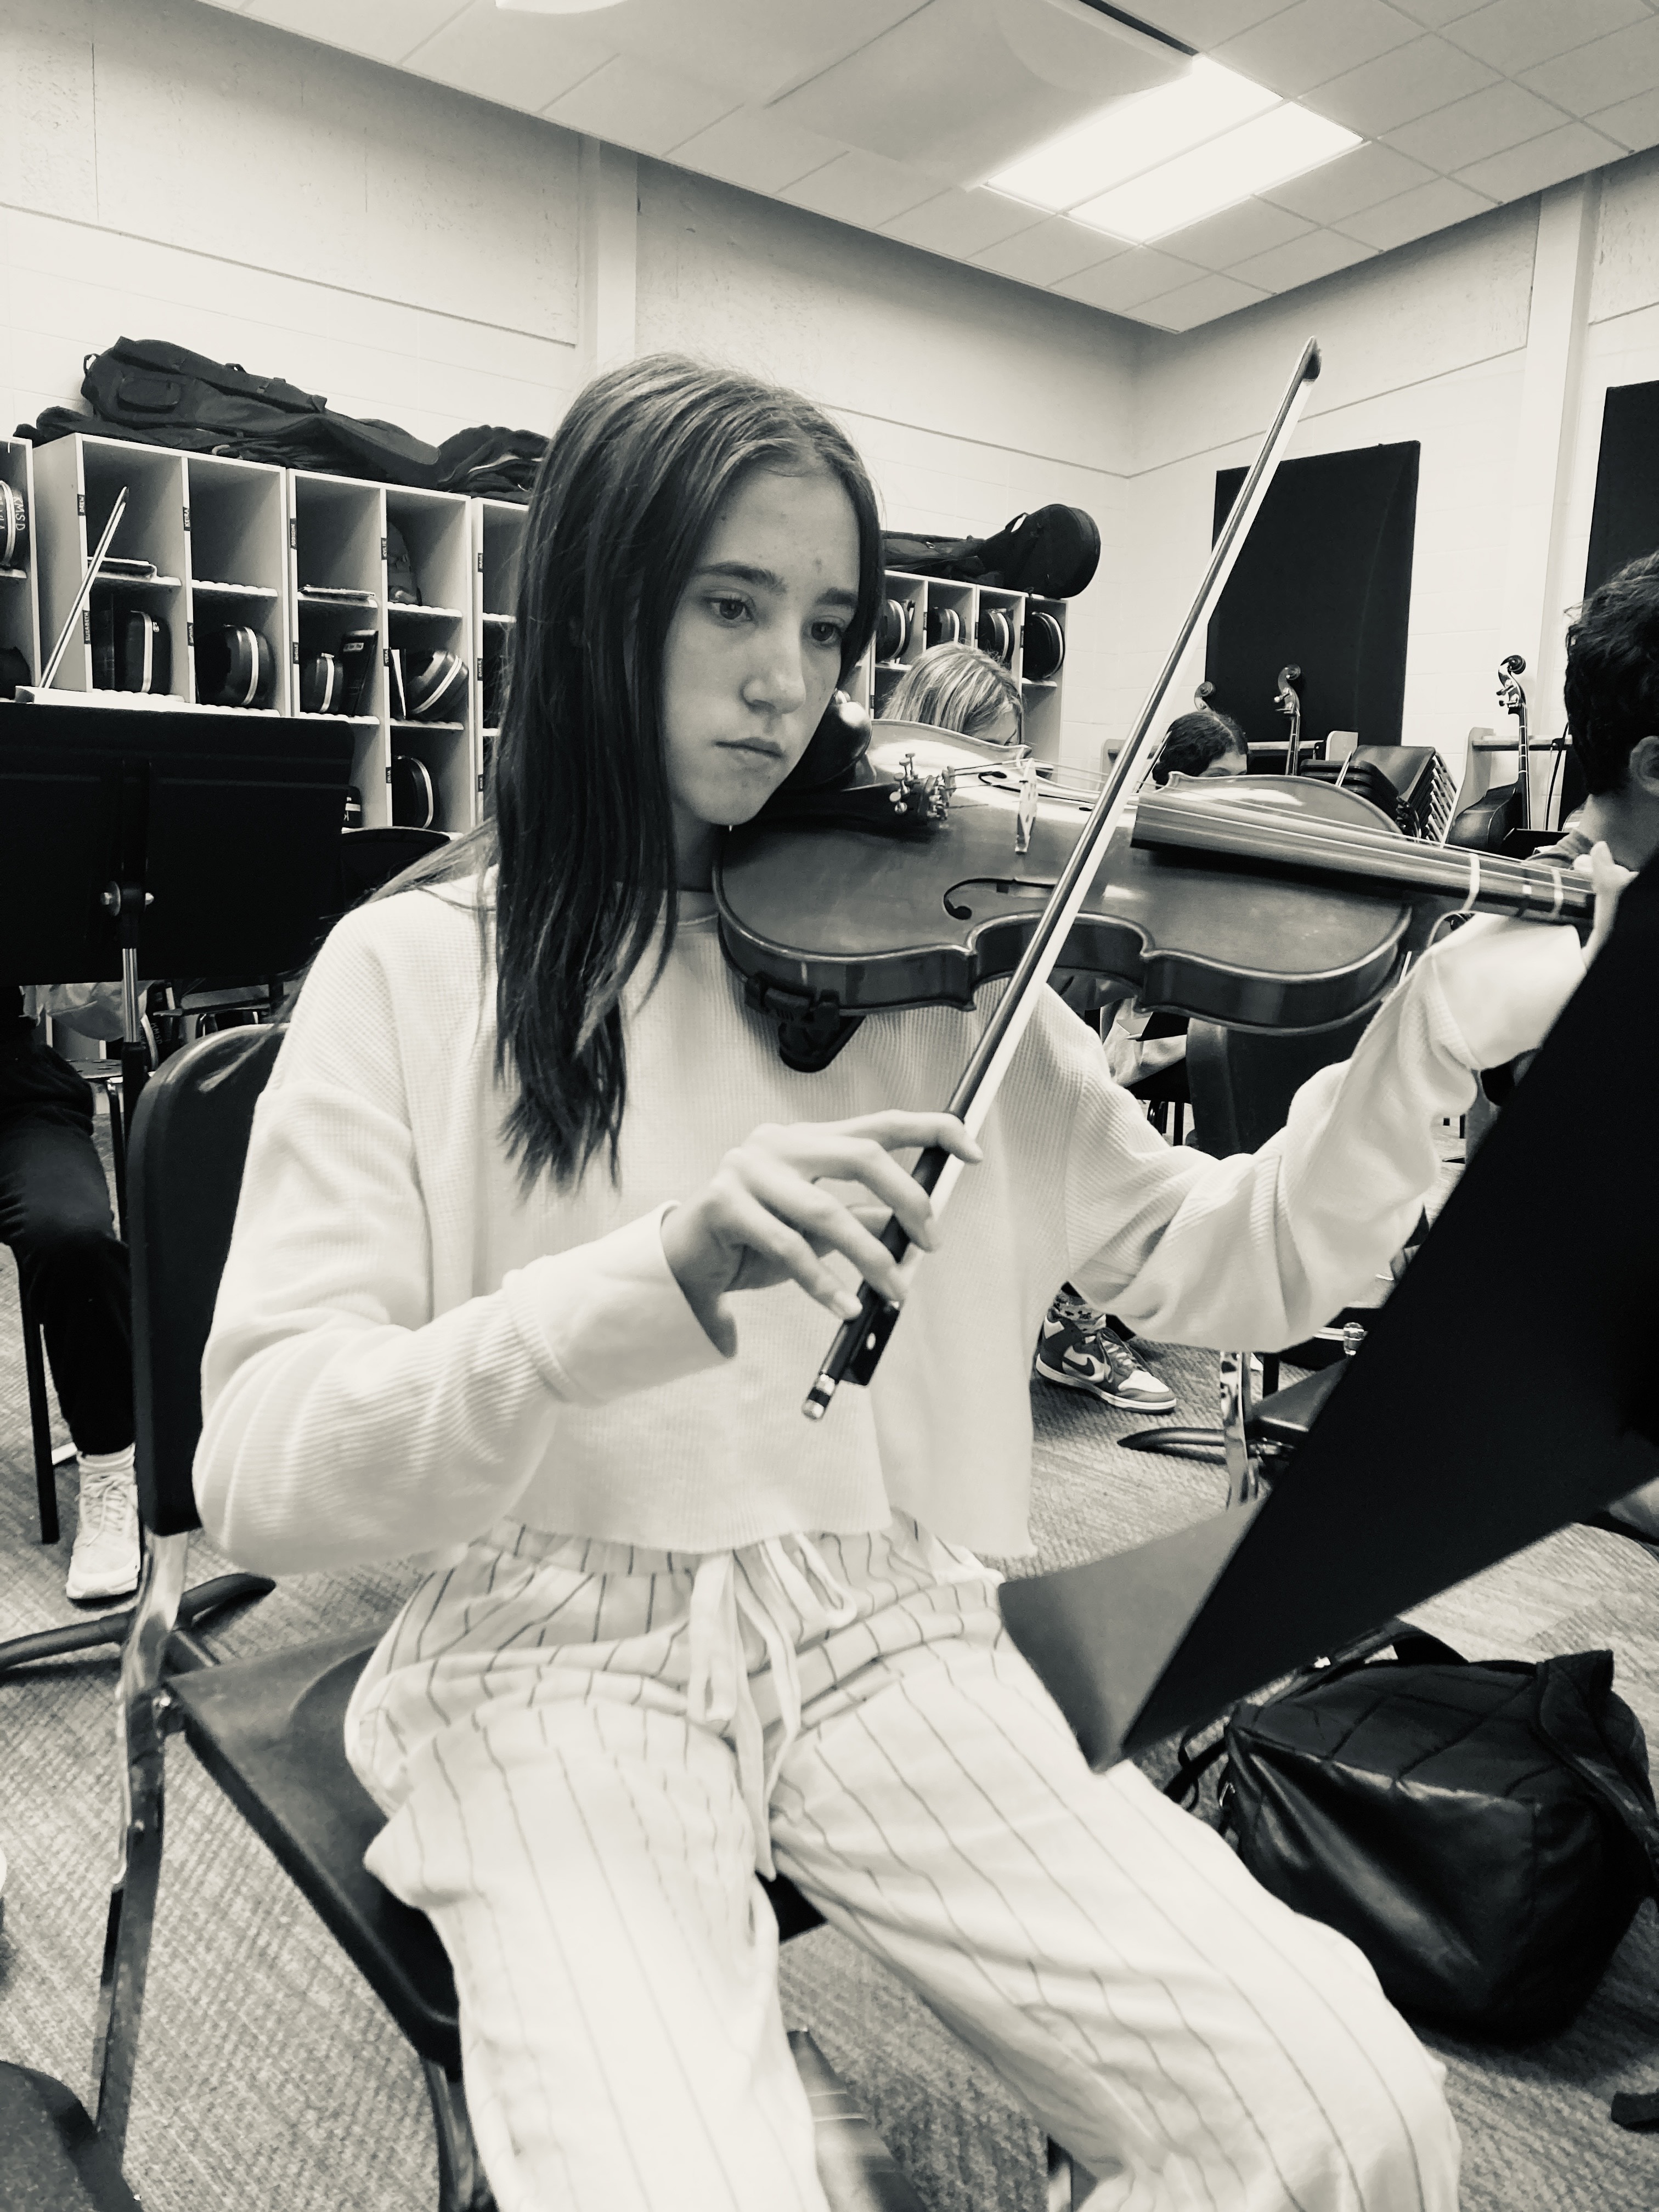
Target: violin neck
(1370, 859)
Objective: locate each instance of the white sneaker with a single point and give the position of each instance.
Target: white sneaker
(105, 1560)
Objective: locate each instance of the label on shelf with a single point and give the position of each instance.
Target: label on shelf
(80, 502)
(187, 519)
(293, 533)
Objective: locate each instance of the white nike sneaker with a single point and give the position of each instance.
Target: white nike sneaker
(1079, 1350)
(105, 1560)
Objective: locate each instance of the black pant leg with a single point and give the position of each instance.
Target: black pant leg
(55, 1214)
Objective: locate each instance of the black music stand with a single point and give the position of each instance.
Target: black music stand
(1441, 1451)
(155, 842)
(162, 843)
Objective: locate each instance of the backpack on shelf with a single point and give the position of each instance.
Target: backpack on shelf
(160, 394)
(1051, 554)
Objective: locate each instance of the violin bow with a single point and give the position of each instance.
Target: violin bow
(859, 1342)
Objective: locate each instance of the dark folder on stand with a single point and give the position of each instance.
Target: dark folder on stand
(1509, 1385)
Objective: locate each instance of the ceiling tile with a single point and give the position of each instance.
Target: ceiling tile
(1486, 123)
(1056, 248)
(753, 148)
(962, 223)
(1633, 123)
(1541, 163)
(1201, 301)
(755, 49)
(1517, 34)
(633, 104)
(861, 188)
(1606, 70)
(1414, 213)
(962, 86)
(1352, 181)
(1128, 278)
(385, 30)
(1398, 88)
(1435, 15)
(1315, 40)
(1302, 261)
(1222, 240)
(1205, 23)
(522, 61)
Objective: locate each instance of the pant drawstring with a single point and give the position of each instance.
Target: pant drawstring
(727, 1591)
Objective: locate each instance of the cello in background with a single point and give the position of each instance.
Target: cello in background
(1288, 699)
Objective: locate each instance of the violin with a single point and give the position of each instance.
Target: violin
(910, 892)
(1263, 902)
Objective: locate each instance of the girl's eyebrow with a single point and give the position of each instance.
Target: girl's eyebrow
(768, 580)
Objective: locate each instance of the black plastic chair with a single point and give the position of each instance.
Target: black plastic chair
(1241, 1085)
(269, 1730)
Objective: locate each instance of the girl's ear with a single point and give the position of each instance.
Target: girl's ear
(1644, 764)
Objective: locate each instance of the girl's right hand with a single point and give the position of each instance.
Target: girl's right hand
(765, 1218)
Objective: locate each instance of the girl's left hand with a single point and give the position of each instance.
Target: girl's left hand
(1505, 982)
(1609, 880)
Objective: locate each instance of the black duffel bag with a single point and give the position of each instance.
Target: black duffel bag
(163, 394)
(1484, 1833)
(1051, 554)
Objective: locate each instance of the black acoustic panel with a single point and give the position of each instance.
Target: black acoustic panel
(1324, 581)
(1624, 523)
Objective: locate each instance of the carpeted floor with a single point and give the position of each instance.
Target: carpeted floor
(270, 2078)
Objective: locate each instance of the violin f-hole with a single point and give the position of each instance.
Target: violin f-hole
(1005, 887)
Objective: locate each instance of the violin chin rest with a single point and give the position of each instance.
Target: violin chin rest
(835, 750)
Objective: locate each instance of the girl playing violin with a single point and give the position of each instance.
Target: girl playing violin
(539, 1242)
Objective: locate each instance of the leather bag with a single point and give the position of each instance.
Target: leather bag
(1484, 1833)
(1052, 554)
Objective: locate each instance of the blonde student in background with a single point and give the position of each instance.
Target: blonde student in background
(539, 1245)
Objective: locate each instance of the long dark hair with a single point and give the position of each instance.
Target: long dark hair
(580, 823)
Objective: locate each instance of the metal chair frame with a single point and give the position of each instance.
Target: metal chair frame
(154, 1701)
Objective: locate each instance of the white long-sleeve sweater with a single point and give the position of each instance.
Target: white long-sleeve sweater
(408, 1346)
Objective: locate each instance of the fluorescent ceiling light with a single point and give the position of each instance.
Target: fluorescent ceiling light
(1261, 153)
(1132, 135)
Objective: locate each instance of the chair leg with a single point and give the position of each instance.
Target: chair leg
(461, 2184)
(1243, 1470)
(45, 1474)
(141, 1708)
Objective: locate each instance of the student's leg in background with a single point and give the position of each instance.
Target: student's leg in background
(55, 1214)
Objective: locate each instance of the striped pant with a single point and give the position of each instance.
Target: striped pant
(586, 1751)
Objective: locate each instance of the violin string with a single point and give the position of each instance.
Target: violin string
(1501, 883)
